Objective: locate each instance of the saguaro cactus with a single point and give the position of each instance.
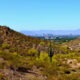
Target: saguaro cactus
(51, 52)
(50, 49)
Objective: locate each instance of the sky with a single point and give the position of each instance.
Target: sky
(40, 14)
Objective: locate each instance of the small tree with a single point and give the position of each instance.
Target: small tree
(40, 47)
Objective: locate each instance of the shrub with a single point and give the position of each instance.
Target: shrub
(32, 52)
(5, 46)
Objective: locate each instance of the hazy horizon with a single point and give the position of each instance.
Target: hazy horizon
(52, 30)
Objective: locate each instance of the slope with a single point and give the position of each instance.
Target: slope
(15, 41)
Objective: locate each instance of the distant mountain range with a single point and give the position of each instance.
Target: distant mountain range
(54, 32)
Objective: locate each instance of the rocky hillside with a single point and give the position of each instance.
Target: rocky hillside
(19, 59)
(14, 65)
(16, 41)
(73, 44)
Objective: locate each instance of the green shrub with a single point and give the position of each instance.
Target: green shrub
(13, 59)
(5, 46)
(32, 52)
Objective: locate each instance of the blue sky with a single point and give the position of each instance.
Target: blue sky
(40, 14)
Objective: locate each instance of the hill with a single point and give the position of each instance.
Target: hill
(16, 41)
(14, 61)
(73, 44)
(27, 58)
